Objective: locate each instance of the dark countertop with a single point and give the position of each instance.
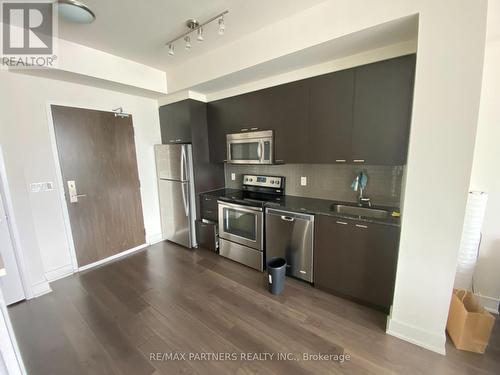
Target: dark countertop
(220, 192)
(313, 206)
(324, 207)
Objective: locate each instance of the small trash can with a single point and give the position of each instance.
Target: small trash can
(276, 270)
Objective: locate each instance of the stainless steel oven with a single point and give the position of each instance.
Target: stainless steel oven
(241, 234)
(250, 147)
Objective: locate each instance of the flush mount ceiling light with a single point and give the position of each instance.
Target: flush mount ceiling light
(196, 27)
(75, 11)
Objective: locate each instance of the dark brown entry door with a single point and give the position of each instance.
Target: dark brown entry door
(101, 182)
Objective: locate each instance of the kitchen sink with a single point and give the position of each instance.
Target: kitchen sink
(360, 211)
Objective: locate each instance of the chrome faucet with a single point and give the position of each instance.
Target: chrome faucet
(357, 185)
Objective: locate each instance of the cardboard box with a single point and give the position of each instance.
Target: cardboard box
(469, 324)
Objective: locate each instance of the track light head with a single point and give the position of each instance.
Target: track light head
(222, 26)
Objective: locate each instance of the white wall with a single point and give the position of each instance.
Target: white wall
(486, 158)
(24, 135)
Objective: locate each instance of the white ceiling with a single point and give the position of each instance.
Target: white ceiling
(138, 30)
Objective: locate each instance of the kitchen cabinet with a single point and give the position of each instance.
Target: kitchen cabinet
(231, 115)
(175, 122)
(354, 116)
(285, 110)
(330, 118)
(356, 259)
(206, 235)
(383, 93)
(209, 208)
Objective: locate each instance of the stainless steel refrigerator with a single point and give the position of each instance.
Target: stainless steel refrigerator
(174, 168)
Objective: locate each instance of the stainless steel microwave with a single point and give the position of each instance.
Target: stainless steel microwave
(250, 147)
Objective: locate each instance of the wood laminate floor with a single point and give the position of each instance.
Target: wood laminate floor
(167, 299)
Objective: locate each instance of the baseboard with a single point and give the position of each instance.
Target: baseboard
(154, 238)
(489, 303)
(41, 288)
(425, 339)
(59, 273)
(113, 257)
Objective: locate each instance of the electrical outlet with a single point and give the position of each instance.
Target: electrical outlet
(233, 176)
(303, 181)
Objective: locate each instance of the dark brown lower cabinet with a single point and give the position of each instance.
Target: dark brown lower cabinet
(209, 208)
(206, 234)
(356, 260)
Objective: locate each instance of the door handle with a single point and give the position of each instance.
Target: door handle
(73, 195)
(287, 218)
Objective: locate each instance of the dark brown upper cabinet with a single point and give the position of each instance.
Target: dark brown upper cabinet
(383, 94)
(330, 118)
(356, 259)
(359, 115)
(231, 115)
(285, 110)
(175, 122)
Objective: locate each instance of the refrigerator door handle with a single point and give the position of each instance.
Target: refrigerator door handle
(184, 198)
(183, 164)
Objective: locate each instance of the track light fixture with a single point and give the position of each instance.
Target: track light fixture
(195, 26)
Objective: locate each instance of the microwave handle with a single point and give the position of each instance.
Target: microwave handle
(259, 150)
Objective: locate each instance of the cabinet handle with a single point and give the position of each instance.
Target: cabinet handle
(361, 226)
(244, 129)
(208, 198)
(279, 161)
(341, 222)
(254, 128)
(340, 161)
(358, 161)
(209, 211)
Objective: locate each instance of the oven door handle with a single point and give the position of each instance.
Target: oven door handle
(240, 207)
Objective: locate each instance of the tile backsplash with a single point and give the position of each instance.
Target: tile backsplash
(328, 181)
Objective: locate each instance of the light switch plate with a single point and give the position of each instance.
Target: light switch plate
(303, 181)
(37, 187)
(233, 176)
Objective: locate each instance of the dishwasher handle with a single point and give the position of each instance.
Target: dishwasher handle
(289, 215)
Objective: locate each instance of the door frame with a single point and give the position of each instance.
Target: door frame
(60, 185)
(13, 230)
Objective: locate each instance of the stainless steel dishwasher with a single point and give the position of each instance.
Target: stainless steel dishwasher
(289, 235)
